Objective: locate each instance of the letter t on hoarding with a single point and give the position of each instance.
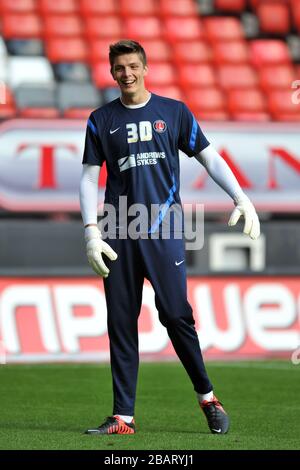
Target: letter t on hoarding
(47, 176)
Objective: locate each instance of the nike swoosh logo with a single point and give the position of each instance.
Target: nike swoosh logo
(217, 430)
(115, 130)
(178, 263)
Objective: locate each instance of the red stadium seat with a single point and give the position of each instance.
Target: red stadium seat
(170, 91)
(237, 77)
(77, 113)
(254, 4)
(94, 8)
(210, 100)
(192, 52)
(143, 28)
(104, 27)
(276, 76)
(57, 7)
(135, 8)
(44, 113)
(223, 29)
(7, 111)
(269, 51)
(7, 95)
(297, 68)
(25, 26)
(101, 75)
(67, 25)
(234, 6)
(17, 6)
(196, 75)
(251, 117)
(157, 50)
(296, 13)
(179, 8)
(274, 18)
(67, 50)
(282, 107)
(161, 74)
(211, 115)
(247, 105)
(183, 29)
(8, 108)
(99, 49)
(232, 52)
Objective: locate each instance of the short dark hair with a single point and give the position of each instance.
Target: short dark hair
(126, 46)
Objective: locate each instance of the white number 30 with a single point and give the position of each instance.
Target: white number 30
(144, 132)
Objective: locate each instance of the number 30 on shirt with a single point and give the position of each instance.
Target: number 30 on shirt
(142, 132)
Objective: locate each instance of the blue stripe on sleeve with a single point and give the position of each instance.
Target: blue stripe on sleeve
(92, 127)
(192, 141)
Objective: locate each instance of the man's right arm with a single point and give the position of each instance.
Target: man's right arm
(95, 246)
(88, 193)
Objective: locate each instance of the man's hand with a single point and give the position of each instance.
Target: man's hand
(95, 246)
(245, 207)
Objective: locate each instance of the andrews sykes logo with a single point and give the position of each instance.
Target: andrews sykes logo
(160, 126)
(127, 162)
(140, 159)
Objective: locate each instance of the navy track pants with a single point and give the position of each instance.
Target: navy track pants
(154, 259)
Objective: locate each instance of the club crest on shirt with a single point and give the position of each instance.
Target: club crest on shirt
(160, 126)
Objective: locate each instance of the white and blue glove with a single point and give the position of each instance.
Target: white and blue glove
(243, 206)
(95, 246)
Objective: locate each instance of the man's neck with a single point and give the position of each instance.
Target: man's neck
(136, 99)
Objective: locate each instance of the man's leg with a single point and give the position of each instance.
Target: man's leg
(123, 290)
(165, 268)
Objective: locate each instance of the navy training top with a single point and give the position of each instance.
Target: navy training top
(140, 147)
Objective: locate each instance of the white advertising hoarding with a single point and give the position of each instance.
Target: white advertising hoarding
(40, 166)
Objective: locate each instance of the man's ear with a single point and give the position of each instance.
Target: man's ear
(145, 70)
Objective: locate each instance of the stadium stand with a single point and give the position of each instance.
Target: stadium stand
(219, 50)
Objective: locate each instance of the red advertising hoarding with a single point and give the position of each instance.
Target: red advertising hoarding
(65, 319)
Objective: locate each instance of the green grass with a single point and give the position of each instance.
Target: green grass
(48, 407)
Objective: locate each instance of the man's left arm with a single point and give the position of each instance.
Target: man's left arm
(220, 172)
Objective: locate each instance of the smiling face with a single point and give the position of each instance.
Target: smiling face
(128, 70)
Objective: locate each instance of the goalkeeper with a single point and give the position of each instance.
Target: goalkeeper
(138, 136)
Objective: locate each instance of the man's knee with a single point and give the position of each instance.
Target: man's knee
(175, 320)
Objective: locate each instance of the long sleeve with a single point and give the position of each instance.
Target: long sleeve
(220, 172)
(88, 193)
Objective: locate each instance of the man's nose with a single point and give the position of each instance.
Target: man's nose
(126, 71)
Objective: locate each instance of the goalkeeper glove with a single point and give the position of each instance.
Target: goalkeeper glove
(245, 207)
(95, 246)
